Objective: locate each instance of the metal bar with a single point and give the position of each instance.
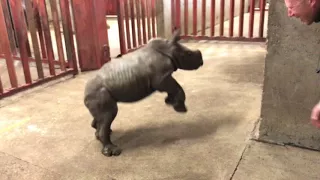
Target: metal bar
(231, 18)
(56, 26)
(148, 19)
(22, 37)
(186, 17)
(153, 17)
(33, 32)
(121, 26)
(241, 14)
(47, 35)
(178, 14)
(126, 16)
(13, 91)
(213, 15)
(138, 9)
(262, 11)
(9, 27)
(68, 34)
(73, 60)
(1, 87)
(143, 14)
(43, 50)
(195, 17)
(251, 18)
(203, 29)
(221, 17)
(133, 25)
(5, 44)
(222, 38)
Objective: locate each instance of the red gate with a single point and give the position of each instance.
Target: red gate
(137, 23)
(20, 44)
(246, 18)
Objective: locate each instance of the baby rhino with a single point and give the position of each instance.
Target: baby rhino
(133, 77)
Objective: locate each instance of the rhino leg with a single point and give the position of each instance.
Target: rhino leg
(176, 95)
(104, 110)
(94, 125)
(169, 99)
(105, 120)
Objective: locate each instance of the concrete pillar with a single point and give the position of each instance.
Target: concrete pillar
(291, 85)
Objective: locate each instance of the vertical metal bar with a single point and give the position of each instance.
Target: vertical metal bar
(221, 17)
(251, 18)
(56, 25)
(153, 16)
(203, 29)
(262, 11)
(5, 44)
(148, 18)
(133, 26)
(33, 32)
(178, 14)
(67, 28)
(195, 17)
(10, 30)
(35, 4)
(121, 26)
(138, 9)
(126, 16)
(241, 14)
(231, 21)
(47, 36)
(22, 37)
(213, 17)
(186, 17)
(1, 87)
(143, 13)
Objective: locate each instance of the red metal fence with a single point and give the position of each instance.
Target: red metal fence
(137, 23)
(218, 24)
(26, 38)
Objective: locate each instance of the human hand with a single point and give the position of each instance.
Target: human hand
(315, 115)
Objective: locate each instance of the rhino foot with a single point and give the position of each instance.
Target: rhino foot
(180, 108)
(111, 150)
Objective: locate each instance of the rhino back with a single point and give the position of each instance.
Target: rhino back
(127, 79)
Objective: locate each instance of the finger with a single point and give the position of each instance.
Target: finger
(315, 113)
(316, 123)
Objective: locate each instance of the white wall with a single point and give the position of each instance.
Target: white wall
(168, 17)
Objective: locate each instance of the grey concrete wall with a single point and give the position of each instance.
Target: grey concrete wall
(168, 16)
(291, 86)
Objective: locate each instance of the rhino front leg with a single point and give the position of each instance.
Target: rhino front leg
(176, 95)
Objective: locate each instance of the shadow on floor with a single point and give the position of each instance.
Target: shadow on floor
(169, 133)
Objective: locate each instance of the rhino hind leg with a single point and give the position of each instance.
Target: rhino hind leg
(103, 133)
(94, 125)
(104, 110)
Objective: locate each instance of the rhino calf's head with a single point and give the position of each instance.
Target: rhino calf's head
(184, 57)
(181, 56)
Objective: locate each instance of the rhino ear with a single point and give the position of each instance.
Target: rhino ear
(176, 36)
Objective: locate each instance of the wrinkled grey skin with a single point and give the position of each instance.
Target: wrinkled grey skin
(135, 76)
